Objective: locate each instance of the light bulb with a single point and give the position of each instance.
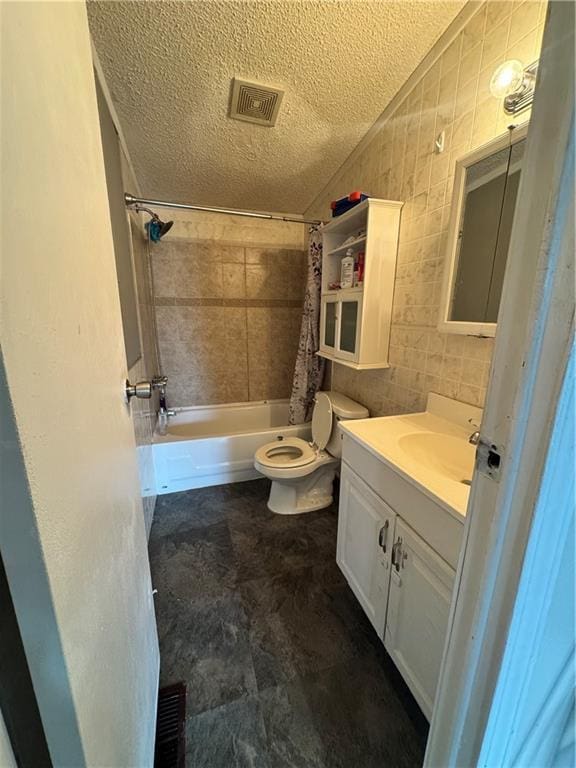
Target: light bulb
(507, 79)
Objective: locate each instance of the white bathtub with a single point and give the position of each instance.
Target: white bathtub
(215, 444)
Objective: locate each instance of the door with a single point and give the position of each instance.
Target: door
(418, 608)
(72, 535)
(365, 535)
(349, 318)
(328, 324)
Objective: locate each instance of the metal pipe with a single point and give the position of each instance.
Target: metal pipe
(130, 200)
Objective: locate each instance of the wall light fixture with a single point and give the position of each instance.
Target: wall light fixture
(514, 83)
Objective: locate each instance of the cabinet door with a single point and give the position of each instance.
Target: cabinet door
(328, 324)
(365, 536)
(349, 319)
(418, 607)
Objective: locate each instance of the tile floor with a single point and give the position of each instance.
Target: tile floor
(283, 669)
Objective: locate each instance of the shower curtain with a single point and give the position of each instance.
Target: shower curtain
(309, 370)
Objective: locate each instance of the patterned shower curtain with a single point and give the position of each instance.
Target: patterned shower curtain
(309, 370)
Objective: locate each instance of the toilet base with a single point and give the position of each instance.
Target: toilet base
(304, 494)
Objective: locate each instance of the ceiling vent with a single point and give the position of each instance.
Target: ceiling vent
(255, 103)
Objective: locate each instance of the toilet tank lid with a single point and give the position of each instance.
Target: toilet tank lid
(346, 408)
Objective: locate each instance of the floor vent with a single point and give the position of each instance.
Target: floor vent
(170, 738)
(255, 103)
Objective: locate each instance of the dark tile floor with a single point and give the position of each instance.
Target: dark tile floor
(283, 668)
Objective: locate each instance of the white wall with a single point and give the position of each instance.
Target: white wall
(76, 555)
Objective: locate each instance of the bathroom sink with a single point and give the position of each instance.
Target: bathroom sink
(430, 449)
(447, 455)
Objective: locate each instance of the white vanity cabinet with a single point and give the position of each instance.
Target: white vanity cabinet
(406, 590)
(418, 607)
(365, 536)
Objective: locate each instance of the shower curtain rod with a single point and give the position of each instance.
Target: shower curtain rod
(131, 200)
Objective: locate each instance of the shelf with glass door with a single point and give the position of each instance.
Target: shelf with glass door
(355, 321)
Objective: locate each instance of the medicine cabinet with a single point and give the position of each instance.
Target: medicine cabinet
(483, 203)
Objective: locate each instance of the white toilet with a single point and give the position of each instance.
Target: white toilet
(302, 473)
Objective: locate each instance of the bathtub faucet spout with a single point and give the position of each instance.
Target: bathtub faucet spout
(159, 383)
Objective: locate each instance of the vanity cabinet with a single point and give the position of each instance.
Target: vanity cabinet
(402, 583)
(355, 322)
(418, 607)
(365, 536)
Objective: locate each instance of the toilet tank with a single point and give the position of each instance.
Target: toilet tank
(343, 408)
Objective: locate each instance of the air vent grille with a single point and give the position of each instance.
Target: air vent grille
(255, 103)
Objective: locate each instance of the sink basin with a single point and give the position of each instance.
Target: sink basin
(429, 449)
(449, 456)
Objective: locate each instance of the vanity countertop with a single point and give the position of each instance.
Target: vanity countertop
(429, 450)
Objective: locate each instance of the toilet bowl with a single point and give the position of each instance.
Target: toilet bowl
(303, 473)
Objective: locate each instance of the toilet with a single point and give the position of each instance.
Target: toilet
(302, 473)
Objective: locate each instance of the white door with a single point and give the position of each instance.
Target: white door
(76, 558)
(418, 608)
(365, 536)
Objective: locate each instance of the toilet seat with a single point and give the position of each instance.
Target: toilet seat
(290, 453)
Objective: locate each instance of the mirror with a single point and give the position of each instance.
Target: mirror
(485, 188)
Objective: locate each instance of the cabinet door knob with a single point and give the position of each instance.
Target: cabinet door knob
(383, 535)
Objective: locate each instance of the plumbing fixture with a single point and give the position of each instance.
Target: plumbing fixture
(159, 384)
(156, 228)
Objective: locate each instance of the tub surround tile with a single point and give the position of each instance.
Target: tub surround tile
(208, 298)
(174, 301)
(274, 380)
(234, 281)
(203, 351)
(277, 281)
(199, 390)
(254, 614)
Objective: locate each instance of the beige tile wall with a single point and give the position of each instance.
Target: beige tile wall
(228, 301)
(400, 163)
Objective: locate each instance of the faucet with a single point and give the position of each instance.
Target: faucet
(159, 383)
(474, 438)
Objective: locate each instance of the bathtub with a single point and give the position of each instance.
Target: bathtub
(215, 444)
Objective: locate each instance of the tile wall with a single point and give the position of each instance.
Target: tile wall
(228, 300)
(400, 163)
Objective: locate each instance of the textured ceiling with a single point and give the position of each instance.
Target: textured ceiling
(169, 65)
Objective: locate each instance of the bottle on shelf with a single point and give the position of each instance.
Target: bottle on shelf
(347, 270)
(360, 280)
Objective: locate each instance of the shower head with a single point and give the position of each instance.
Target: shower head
(156, 228)
(163, 225)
